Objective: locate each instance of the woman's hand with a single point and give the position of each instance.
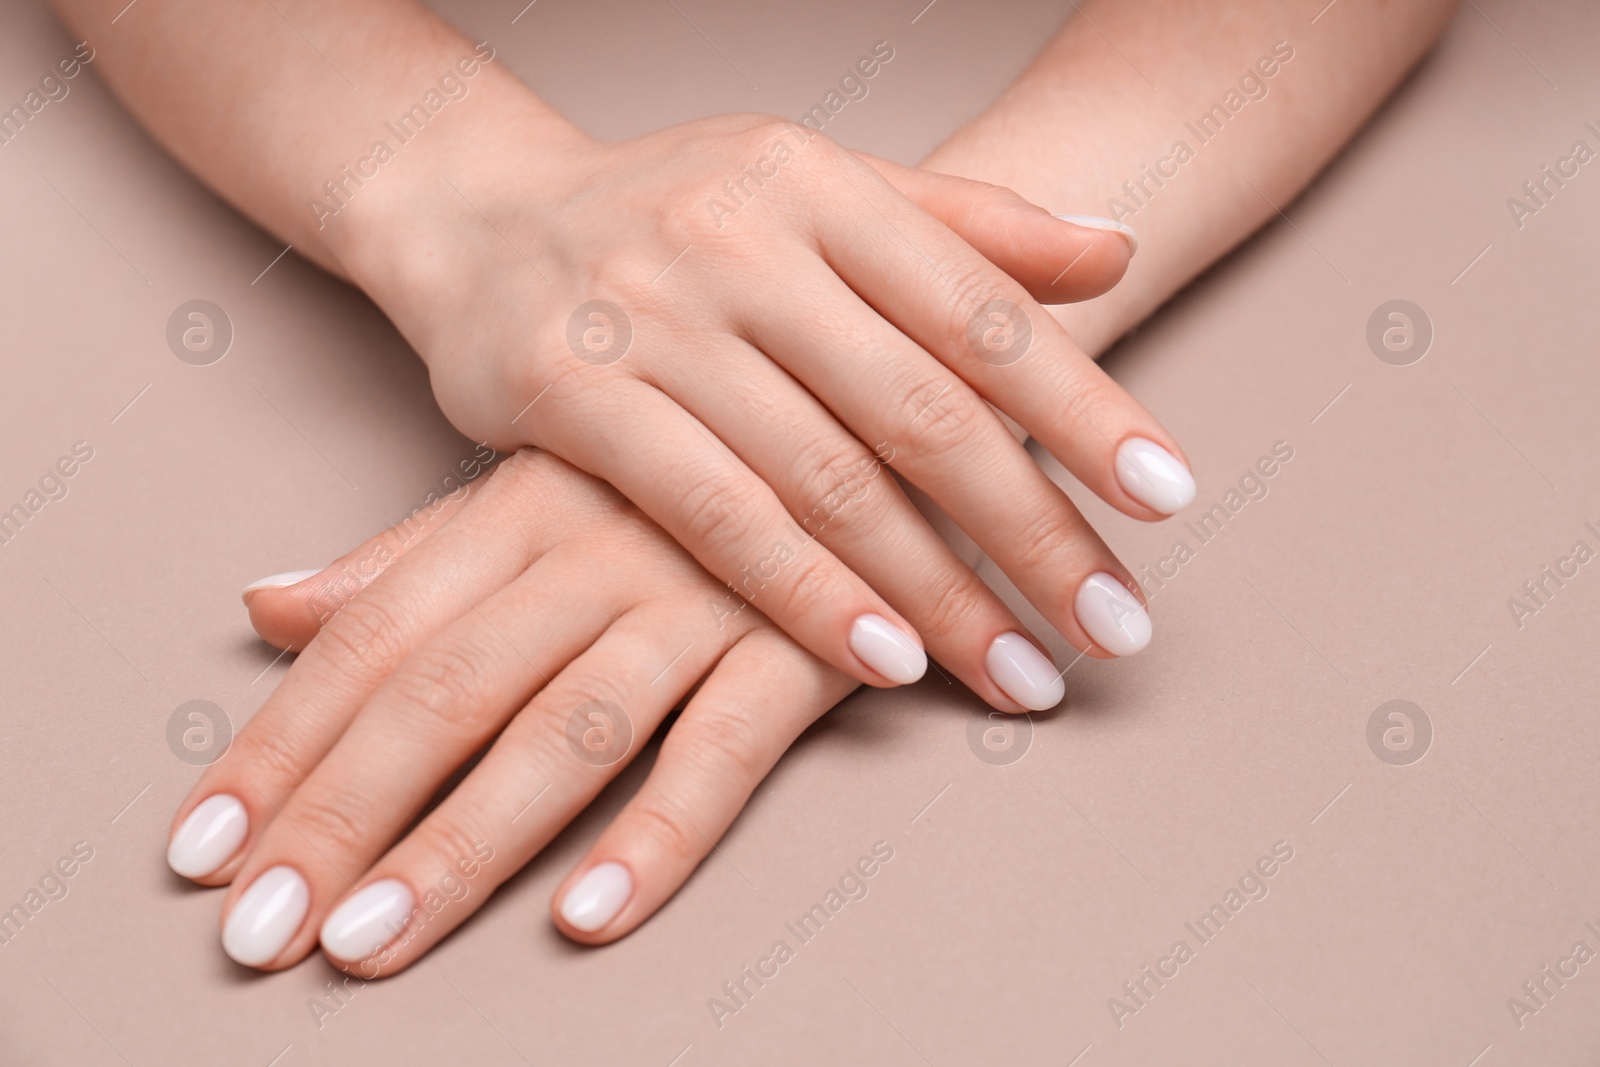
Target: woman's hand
(738, 324)
(546, 618)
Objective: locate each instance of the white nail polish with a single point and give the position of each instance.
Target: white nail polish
(278, 581)
(1111, 615)
(209, 837)
(1096, 222)
(1153, 476)
(265, 918)
(885, 648)
(369, 920)
(1024, 673)
(597, 897)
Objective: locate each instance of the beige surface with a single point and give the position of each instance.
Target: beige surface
(1020, 897)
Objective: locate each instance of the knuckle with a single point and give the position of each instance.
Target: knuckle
(542, 735)
(944, 416)
(1089, 394)
(718, 514)
(448, 839)
(335, 821)
(1049, 537)
(442, 688)
(366, 637)
(827, 489)
(726, 743)
(271, 756)
(665, 829)
(967, 290)
(952, 598)
(979, 201)
(811, 585)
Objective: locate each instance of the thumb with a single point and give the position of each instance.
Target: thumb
(1057, 261)
(289, 609)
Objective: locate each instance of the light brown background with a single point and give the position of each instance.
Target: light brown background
(1020, 900)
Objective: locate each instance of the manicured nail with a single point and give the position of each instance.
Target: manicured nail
(367, 921)
(266, 917)
(885, 648)
(278, 581)
(1096, 222)
(1024, 673)
(597, 897)
(1111, 615)
(209, 837)
(1153, 476)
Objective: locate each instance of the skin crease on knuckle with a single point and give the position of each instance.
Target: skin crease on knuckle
(950, 600)
(718, 517)
(322, 820)
(842, 469)
(367, 635)
(276, 758)
(945, 420)
(716, 737)
(807, 587)
(442, 689)
(1054, 539)
(657, 822)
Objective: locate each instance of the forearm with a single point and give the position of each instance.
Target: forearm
(282, 107)
(1085, 119)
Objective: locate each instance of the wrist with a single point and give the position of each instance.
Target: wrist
(390, 219)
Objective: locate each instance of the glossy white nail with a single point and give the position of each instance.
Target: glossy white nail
(1153, 476)
(369, 920)
(597, 897)
(1111, 615)
(885, 648)
(278, 581)
(1024, 673)
(210, 836)
(1097, 222)
(266, 917)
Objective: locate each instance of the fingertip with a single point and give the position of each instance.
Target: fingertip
(278, 581)
(1061, 259)
(1098, 222)
(887, 650)
(1154, 476)
(588, 908)
(280, 610)
(208, 839)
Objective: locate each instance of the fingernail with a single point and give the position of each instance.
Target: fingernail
(1024, 673)
(266, 917)
(278, 581)
(597, 897)
(367, 921)
(1096, 222)
(1111, 615)
(209, 837)
(1153, 476)
(885, 648)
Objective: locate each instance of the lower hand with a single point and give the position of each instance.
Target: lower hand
(545, 618)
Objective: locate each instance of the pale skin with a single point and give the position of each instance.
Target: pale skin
(451, 643)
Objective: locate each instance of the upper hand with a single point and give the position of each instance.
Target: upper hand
(738, 326)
